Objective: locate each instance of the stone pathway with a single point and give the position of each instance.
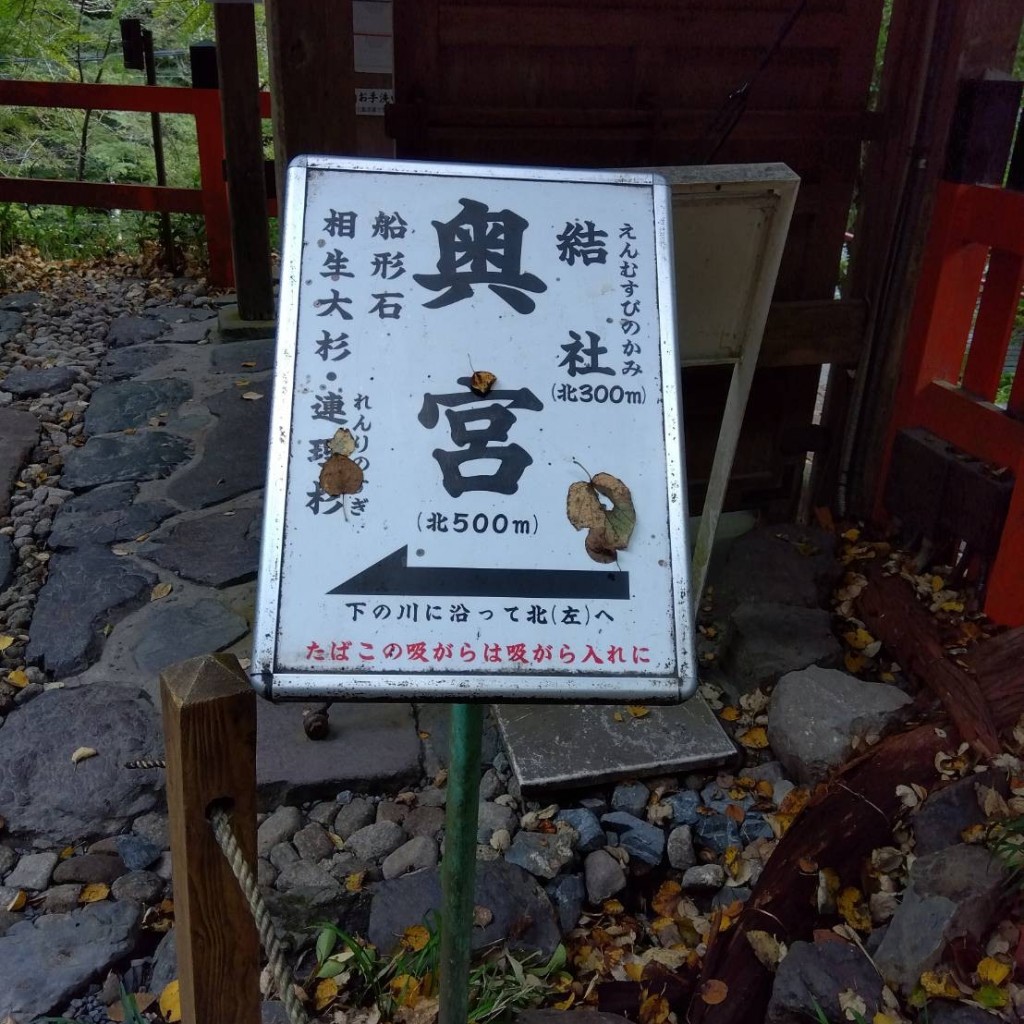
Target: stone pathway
(132, 455)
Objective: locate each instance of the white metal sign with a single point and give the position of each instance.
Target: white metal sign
(476, 485)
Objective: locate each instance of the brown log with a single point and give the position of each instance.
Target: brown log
(891, 612)
(998, 664)
(848, 817)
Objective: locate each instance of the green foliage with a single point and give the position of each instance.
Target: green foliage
(1006, 840)
(499, 983)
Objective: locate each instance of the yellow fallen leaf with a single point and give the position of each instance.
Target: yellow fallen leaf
(884, 1018)
(325, 994)
(858, 638)
(94, 892)
(415, 937)
(756, 738)
(82, 754)
(18, 678)
(939, 985)
(729, 713)
(68, 851)
(618, 716)
(612, 907)
(854, 662)
(405, 990)
(852, 535)
(766, 948)
(992, 996)
(354, 881)
(654, 1010)
(18, 903)
(850, 903)
(161, 590)
(5, 642)
(638, 710)
(170, 1002)
(992, 971)
(666, 899)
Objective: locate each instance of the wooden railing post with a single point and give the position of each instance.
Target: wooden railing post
(209, 714)
(210, 142)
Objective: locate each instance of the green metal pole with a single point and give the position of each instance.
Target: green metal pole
(458, 868)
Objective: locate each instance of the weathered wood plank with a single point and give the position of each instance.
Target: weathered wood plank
(209, 714)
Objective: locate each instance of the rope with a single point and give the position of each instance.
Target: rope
(221, 822)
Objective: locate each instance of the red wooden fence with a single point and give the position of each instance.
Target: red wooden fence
(972, 225)
(210, 199)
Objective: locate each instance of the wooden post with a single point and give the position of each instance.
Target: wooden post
(243, 149)
(209, 712)
(312, 80)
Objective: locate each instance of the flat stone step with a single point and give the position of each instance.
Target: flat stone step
(578, 745)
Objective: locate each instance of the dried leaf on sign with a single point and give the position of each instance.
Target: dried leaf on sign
(343, 442)
(340, 475)
(609, 529)
(482, 381)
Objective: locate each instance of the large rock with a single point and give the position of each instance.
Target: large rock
(19, 433)
(217, 549)
(120, 364)
(106, 515)
(133, 330)
(43, 794)
(941, 819)
(132, 403)
(46, 961)
(10, 323)
(814, 974)
(20, 301)
(522, 913)
(234, 458)
(44, 381)
(84, 589)
(815, 716)
(777, 564)
(243, 357)
(765, 641)
(952, 893)
(151, 455)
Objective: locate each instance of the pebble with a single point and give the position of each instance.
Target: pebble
(631, 798)
(141, 886)
(283, 855)
(374, 842)
(681, 854)
(703, 878)
(278, 828)
(61, 899)
(604, 876)
(542, 854)
(33, 871)
(313, 843)
(419, 852)
(89, 868)
(424, 821)
(356, 814)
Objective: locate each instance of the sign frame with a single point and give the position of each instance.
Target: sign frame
(556, 685)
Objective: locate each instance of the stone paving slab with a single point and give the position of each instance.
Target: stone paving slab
(575, 744)
(19, 433)
(370, 747)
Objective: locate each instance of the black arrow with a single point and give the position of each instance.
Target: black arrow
(392, 575)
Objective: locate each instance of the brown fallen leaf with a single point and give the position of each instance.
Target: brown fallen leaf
(482, 916)
(609, 529)
(161, 590)
(714, 991)
(340, 475)
(18, 902)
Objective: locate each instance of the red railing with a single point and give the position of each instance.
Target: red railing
(210, 199)
(972, 225)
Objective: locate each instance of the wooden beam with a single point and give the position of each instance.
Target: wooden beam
(101, 195)
(312, 79)
(209, 715)
(243, 150)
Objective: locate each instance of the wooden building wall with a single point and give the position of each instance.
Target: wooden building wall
(613, 83)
